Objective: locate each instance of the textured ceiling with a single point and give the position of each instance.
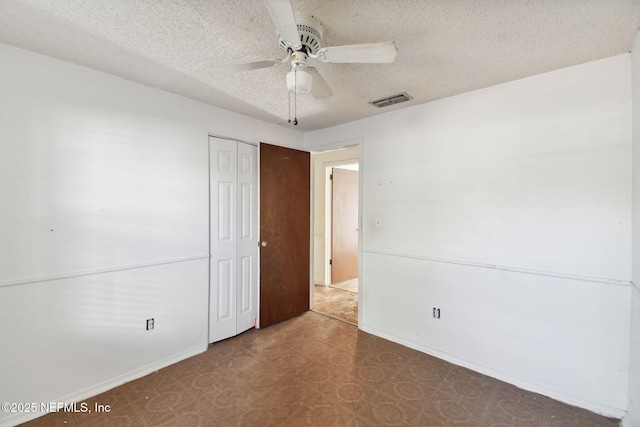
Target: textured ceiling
(445, 47)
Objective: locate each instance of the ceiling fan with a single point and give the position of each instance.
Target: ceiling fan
(300, 36)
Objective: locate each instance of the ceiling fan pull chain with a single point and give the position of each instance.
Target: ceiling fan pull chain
(295, 98)
(289, 121)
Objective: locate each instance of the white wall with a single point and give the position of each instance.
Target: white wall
(509, 209)
(104, 223)
(633, 416)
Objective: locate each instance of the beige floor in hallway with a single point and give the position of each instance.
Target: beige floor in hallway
(317, 371)
(347, 285)
(336, 302)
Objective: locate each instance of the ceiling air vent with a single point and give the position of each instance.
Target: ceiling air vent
(390, 100)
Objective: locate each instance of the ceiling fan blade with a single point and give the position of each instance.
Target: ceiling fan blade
(248, 66)
(282, 15)
(319, 88)
(368, 53)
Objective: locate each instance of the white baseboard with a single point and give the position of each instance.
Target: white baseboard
(97, 389)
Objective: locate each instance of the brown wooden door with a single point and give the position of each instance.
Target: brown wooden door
(344, 220)
(284, 228)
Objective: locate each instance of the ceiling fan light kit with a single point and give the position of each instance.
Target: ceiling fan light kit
(298, 79)
(300, 36)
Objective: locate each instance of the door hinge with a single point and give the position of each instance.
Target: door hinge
(331, 177)
(330, 262)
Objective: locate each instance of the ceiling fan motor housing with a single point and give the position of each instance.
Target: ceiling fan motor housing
(310, 30)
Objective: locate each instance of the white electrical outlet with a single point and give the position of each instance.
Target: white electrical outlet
(150, 324)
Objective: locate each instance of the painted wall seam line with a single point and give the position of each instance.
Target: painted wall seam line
(608, 281)
(93, 272)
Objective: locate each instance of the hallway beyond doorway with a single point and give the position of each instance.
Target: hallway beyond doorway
(348, 285)
(336, 303)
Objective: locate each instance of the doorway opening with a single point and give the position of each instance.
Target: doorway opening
(336, 234)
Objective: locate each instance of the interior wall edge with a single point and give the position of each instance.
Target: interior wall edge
(624, 422)
(564, 397)
(632, 418)
(97, 389)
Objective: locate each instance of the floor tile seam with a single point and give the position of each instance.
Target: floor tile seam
(301, 413)
(487, 404)
(409, 416)
(151, 421)
(176, 414)
(209, 410)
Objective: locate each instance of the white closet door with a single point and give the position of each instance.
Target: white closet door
(233, 282)
(223, 161)
(247, 236)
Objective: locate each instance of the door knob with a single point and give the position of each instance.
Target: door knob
(263, 243)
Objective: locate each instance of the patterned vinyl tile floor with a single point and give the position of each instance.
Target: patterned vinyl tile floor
(313, 370)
